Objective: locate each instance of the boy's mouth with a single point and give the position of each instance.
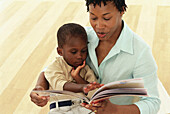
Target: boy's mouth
(78, 63)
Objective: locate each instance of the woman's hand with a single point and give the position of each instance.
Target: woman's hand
(106, 107)
(39, 100)
(101, 107)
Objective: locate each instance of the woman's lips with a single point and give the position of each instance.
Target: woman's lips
(101, 35)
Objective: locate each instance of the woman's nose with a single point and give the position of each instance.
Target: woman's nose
(99, 24)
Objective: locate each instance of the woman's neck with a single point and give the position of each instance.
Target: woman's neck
(105, 46)
(113, 39)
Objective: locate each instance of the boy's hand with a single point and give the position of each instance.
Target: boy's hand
(39, 100)
(75, 72)
(91, 86)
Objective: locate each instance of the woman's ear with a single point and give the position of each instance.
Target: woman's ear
(60, 51)
(122, 12)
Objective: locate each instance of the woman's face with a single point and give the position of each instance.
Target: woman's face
(105, 20)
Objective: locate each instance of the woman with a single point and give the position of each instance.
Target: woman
(116, 53)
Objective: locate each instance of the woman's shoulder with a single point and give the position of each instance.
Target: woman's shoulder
(138, 41)
(88, 29)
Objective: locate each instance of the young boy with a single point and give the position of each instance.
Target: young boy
(69, 72)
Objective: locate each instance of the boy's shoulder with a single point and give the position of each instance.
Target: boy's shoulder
(59, 61)
(87, 68)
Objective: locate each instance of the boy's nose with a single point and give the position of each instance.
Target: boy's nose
(79, 56)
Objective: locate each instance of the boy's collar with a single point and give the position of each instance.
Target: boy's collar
(68, 66)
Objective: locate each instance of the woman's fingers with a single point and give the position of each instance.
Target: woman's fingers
(39, 100)
(42, 102)
(91, 107)
(96, 107)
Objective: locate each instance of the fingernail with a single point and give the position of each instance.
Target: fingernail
(87, 106)
(44, 98)
(82, 104)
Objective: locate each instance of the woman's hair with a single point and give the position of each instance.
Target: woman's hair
(68, 31)
(120, 4)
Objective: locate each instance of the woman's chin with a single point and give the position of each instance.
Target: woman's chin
(103, 38)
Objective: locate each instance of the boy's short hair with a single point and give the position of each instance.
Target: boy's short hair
(120, 4)
(68, 31)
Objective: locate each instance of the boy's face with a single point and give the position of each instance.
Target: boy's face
(74, 51)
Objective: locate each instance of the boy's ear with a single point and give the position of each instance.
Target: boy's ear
(60, 51)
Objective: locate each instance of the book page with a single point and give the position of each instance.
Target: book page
(130, 87)
(120, 92)
(130, 83)
(54, 92)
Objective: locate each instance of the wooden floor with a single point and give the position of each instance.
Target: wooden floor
(28, 42)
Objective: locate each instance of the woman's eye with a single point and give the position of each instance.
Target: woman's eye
(93, 18)
(107, 19)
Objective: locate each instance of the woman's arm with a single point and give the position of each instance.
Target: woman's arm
(106, 107)
(42, 84)
(42, 81)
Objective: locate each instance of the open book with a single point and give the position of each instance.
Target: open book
(130, 87)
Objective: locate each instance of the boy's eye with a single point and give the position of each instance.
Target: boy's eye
(73, 52)
(84, 51)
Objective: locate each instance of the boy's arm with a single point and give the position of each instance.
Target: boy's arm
(80, 80)
(74, 87)
(85, 88)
